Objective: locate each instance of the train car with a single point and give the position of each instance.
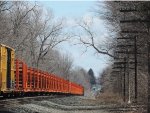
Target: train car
(17, 79)
(76, 89)
(7, 78)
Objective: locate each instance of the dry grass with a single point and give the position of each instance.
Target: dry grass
(109, 98)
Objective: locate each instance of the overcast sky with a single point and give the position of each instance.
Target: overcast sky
(72, 10)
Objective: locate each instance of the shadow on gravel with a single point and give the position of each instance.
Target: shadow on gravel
(6, 112)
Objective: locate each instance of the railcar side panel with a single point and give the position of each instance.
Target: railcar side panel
(7, 79)
(3, 68)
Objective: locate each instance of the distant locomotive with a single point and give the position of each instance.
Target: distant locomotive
(17, 79)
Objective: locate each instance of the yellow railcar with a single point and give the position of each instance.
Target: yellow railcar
(7, 79)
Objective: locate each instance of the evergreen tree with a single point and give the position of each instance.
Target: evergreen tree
(92, 77)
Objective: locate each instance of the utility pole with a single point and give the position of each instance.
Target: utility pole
(124, 81)
(135, 56)
(128, 75)
(148, 107)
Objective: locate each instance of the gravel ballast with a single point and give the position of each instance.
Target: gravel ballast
(69, 104)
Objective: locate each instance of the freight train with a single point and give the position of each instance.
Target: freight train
(17, 79)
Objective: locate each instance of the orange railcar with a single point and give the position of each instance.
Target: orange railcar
(31, 80)
(76, 89)
(20, 76)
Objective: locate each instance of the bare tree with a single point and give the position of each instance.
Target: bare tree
(5, 6)
(50, 37)
(80, 76)
(90, 40)
(63, 65)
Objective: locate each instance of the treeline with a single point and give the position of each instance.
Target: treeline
(35, 33)
(128, 23)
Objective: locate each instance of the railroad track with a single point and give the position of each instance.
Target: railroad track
(12, 102)
(44, 102)
(88, 107)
